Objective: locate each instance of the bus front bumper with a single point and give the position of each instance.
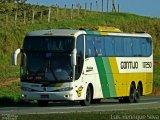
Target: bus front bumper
(49, 96)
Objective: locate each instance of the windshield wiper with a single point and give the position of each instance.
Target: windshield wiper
(53, 74)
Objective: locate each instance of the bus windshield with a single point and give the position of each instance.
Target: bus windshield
(48, 43)
(47, 59)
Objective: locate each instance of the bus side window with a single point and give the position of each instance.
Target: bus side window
(90, 50)
(119, 46)
(137, 49)
(80, 55)
(99, 45)
(144, 47)
(128, 51)
(80, 46)
(109, 46)
(149, 46)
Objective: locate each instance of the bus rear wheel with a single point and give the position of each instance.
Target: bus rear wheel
(131, 97)
(138, 94)
(88, 98)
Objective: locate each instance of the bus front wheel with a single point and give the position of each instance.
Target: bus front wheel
(88, 98)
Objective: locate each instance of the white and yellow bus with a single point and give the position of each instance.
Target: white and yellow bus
(85, 65)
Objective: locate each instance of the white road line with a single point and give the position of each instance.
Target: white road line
(144, 103)
(58, 108)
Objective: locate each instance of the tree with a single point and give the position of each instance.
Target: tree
(7, 1)
(12, 1)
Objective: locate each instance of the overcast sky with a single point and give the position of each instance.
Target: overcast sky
(140, 7)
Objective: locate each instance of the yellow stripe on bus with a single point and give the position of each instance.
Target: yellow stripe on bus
(114, 65)
(116, 76)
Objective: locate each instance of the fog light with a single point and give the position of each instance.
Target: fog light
(24, 96)
(69, 95)
(66, 96)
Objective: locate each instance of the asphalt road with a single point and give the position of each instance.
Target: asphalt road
(68, 107)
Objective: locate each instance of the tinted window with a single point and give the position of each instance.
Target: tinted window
(90, 46)
(109, 46)
(80, 56)
(118, 46)
(48, 43)
(128, 50)
(99, 45)
(137, 46)
(80, 46)
(148, 46)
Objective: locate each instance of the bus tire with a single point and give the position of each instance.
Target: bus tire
(42, 103)
(88, 99)
(131, 97)
(138, 94)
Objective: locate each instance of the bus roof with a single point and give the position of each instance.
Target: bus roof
(76, 32)
(131, 34)
(56, 32)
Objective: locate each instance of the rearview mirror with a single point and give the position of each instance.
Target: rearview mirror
(73, 57)
(15, 55)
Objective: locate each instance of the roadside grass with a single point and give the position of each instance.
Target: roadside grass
(10, 94)
(156, 75)
(156, 91)
(152, 114)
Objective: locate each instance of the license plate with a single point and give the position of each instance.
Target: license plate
(45, 96)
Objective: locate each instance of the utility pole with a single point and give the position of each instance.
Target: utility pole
(102, 5)
(107, 6)
(49, 14)
(113, 6)
(96, 6)
(118, 8)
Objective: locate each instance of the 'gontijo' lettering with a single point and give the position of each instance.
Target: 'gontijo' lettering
(129, 65)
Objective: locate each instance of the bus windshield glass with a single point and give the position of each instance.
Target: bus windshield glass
(48, 43)
(47, 59)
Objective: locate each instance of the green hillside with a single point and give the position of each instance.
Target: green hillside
(12, 34)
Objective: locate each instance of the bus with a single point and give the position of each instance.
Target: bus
(85, 65)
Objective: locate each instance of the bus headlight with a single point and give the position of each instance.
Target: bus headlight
(26, 89)
(66, 89)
